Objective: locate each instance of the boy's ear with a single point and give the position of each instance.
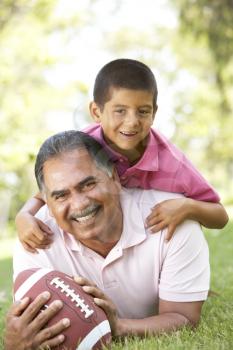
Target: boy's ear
(155, 111)
(95, 111)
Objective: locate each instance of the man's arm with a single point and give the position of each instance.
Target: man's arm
(183, 286)
(171, 316)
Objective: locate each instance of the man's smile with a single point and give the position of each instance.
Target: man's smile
(85, 216)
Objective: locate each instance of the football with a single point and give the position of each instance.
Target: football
(89, 328)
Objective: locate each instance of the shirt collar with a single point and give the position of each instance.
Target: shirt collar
(133, 232)
(149, 160)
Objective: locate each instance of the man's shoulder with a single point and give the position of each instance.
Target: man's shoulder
(150, 196)
(145, 199)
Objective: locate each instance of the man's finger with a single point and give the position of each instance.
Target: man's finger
(82, 281)
(34, 308)
(94, 291)
(50, 336)
(18, 307)
(44, 316)
(52, 343)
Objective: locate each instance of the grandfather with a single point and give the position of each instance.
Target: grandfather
(145, 284)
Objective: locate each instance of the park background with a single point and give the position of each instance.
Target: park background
(50, 53)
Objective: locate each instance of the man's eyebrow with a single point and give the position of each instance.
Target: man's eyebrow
(57, 193)
(79, 185)
(86, 180)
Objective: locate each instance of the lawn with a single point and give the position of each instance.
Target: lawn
(215, 331)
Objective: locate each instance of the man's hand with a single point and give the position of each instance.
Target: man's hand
(33, 233)
(170, 214)
(25, 325)
(102, 301)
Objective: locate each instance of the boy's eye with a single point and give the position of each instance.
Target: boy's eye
(145, 112)
(120, 111)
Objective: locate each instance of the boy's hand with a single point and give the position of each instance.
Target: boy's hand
(170, 214)
(33, 233)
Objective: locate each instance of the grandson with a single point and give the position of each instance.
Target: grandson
(124, 107)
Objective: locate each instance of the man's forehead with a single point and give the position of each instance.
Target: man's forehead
(76, 163)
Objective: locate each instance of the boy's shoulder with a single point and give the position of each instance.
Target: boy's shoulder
(164, 146)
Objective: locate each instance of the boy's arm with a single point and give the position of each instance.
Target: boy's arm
(202, 202)
(173, 212)
(32, 232)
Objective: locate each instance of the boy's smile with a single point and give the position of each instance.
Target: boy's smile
(126, 120)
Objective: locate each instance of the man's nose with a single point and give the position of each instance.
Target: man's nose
(79, 202)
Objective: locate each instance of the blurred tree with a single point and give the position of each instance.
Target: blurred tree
(203, 115)
(26, 95)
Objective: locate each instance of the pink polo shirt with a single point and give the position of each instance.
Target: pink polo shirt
(162, 167)
(140, 268)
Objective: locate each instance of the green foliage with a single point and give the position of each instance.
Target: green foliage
(216, 327)
(203, 115)
(26, 95)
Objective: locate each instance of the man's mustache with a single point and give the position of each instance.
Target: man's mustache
(85, 212)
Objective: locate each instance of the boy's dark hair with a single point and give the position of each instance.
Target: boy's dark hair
(123, 73)
(67, 141)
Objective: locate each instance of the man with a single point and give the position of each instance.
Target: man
(145, 284)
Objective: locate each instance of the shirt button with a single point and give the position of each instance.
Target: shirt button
(123, 177)
(121, 160)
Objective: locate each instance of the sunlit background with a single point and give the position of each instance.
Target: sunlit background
(51, 51)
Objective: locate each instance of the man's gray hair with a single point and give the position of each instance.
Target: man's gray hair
(67, 141)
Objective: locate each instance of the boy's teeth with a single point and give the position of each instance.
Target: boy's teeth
(128, 133)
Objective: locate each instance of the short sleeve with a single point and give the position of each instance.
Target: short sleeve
(185, 273)
(193, 184)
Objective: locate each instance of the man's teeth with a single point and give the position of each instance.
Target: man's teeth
(85, 218)
(86, 215)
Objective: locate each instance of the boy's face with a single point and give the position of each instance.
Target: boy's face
(126, 119)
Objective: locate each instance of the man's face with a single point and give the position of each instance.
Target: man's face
(83, 199)
(126, 119)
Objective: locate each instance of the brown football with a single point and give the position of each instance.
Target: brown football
(89, 328)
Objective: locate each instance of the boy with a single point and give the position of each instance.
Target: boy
(124, 107)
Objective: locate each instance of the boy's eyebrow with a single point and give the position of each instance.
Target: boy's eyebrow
(142, 106)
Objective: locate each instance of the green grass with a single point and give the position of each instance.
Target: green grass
(215, 331)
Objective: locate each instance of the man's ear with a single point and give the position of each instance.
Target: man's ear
(95, 111)
(43, 195)
(116, 179)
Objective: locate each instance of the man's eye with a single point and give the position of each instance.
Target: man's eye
(60, 196)
(88, 186)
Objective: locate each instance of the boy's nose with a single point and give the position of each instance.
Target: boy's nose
(132, 119)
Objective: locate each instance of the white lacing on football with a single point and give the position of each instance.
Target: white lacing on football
(65, 288)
